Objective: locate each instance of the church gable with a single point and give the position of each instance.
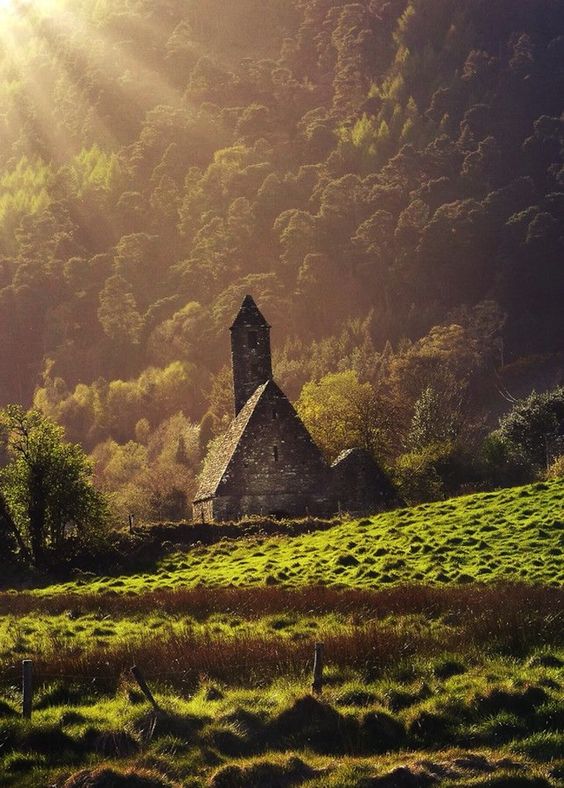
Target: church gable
(275, 453)
(360, 483)
(219, 458)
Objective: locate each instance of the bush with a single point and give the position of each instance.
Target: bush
(556, 469)
(532, 430)
(417, 473)
(501, 466)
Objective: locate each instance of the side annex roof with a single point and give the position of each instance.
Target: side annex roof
(218, 460)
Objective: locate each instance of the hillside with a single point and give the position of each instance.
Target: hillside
(430, 678)
(457, 684)
(514, 534)
(384, 177)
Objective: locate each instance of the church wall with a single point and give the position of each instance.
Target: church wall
(231, 507)
(360, 484)
(277, 466)
(203, 511)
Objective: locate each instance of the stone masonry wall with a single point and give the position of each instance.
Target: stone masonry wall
(276, 469)
(251, 360)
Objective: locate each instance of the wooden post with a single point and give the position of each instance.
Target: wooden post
(138, 676)
(317, 685)
(27, 688)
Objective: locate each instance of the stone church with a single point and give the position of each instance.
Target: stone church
(267, 463)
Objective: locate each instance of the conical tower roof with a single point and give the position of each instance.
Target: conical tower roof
(249, 315)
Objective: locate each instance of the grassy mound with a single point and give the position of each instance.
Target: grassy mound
(435, 681)
(511, 534)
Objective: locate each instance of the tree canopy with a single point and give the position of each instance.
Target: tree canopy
(385, 176)
(46, 493)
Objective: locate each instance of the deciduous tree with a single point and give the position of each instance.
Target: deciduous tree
(46, 491)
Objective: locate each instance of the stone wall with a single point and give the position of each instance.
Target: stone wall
(360, 484)
(203, 511)
(276, 468)
(226, 508)
(250, 352)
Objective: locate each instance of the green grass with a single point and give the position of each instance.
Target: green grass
(427, 671)
(514, 534)
(56, 634)
(411, 714)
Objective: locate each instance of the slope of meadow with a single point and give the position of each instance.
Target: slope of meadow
(512, 534)
(440, 680)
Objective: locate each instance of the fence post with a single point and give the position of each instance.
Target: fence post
(317, 685)
(138, 676)
(27, 688)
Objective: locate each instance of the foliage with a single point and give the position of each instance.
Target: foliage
(150, 477)
(342, 413)
(418, 476)
(556, 470)
(501, 466)
(46, 488)
(386, 178)
(430, 424)
(533, 430)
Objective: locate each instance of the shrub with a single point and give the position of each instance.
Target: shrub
(501, 466)
(532, 429)
(417, 473)
(556, 469)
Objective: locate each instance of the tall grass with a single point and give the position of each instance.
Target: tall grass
(511, 600)
(508, 619)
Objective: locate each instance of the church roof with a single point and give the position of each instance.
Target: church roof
(344, 455)
(249, 314)
(219, 458)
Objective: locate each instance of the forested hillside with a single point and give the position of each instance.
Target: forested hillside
(386, 178)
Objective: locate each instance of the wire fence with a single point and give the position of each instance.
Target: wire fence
(12, 675)
(23, 679)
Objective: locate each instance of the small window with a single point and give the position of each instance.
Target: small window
(275, 453)
(274, 414)
(253, 339)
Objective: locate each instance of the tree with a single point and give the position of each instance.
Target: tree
(533, 431)
(340, 412)
(46, 493)
(118, 313)
(434, 420)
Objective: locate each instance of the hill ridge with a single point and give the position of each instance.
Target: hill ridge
(516, 535)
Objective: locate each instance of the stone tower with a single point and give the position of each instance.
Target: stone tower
(250, 352)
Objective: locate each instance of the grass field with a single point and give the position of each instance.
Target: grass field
(515, 534)
(431, 677)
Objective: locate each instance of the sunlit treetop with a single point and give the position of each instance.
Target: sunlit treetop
(14, 6)
(24, 8)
